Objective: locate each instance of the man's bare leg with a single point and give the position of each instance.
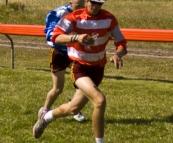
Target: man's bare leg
(77, 103)
(92, 93)
(58, 85)
(99, 102)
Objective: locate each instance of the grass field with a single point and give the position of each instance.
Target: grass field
(139, 101)
(155, 14)
(139, 96)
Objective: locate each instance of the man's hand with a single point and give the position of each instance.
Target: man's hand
(118, 62)
(85, 39)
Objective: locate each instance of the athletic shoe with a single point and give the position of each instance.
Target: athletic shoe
(41, 112)
(79, 117)
(40, 125)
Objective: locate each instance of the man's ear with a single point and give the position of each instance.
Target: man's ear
(70, 2)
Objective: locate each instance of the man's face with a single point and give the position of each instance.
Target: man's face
(77, 4)
(93, 7)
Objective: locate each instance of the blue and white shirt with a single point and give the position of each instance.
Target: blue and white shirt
(52, 19)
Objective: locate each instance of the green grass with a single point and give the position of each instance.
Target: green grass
(130, 14)
(139, 96)
(139, 101)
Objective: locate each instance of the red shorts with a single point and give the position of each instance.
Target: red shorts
(96, 73)
(59, 60)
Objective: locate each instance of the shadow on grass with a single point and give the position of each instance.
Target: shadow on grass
(71, 120)
(140, 121)
(109, 77)
(168, 119)
(5, 67)
(37, 69)
(40, 69)
(147, 79)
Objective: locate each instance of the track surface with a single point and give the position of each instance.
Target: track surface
(110, 50)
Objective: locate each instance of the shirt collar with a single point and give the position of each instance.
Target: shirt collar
(68, 7)
(89, 15)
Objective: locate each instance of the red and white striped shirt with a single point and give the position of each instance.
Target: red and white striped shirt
(103, 26)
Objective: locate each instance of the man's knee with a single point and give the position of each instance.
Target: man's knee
(100, 101)
(74, 110)
(57, 91)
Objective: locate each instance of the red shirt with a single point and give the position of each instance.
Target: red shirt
(103, 26)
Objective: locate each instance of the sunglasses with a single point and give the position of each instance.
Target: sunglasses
(94, 3)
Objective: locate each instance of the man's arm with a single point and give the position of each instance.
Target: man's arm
(121, 48)
(64, 33)
(51, 20)
(117, 58)
(63, 39)
(80, 38)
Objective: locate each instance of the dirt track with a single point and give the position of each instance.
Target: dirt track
(110, 50)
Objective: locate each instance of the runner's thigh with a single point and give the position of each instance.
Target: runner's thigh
(87, 78)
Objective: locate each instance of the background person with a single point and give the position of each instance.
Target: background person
(87, 48)
(59, 60)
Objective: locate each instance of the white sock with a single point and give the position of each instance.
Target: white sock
(99, 140)
(48, 116)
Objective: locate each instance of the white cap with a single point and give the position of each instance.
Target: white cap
(99, 1)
